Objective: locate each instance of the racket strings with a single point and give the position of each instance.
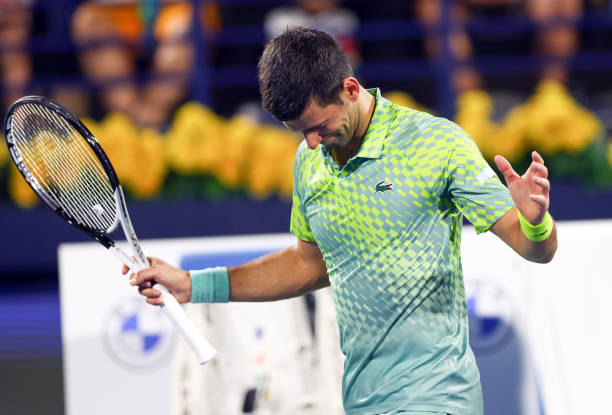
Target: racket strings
(64, 165)
(60, 163)
(68, 196)
(65, 178)
(58, 178)
(43, 166)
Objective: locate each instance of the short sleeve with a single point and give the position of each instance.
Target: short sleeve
(474, 187)
(299, 225)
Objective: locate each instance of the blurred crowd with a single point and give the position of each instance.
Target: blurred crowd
(140, 57)
(170, 87)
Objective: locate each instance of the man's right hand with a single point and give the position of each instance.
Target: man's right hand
(176, 280)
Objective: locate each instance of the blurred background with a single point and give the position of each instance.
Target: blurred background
(170, 89)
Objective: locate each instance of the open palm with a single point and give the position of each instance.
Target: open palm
(530, 191)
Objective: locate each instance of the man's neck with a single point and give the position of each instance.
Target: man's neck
(365, 110)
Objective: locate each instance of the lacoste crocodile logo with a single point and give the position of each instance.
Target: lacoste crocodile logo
(383, 187)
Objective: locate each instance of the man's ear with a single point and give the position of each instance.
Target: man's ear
(351, 87)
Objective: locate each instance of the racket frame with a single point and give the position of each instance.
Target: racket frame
(185, 327)
(93, 143)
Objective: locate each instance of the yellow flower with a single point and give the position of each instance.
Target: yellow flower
(20, 191)
(587, 128)
(285, 165)
(238, 140)
(476, 103)
(610, 154)
(195, 140)
(511, 134)
(149, 165)
(137, 155)
(482, 131)
(405, 100)
(118, 137)
(262, 174)
(3, 151)
(473, 115)
(272, 153)
(557, 122)
(508, 143)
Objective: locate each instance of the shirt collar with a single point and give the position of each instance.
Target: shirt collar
(376, 133)
(372, 145)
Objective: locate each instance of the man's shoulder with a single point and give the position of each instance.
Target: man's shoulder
(415, 120)
(305, 160)
(411, 127)
(303, 152)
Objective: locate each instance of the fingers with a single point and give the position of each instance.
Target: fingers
(537, 166)
(539, 169)
(535, 156)
(540, 200)
(126, 268)
(145, 275)
(146, 284)
(156, 261)
(505, 168)
(155, 301)
(153, 296)
(144, 280)
(543, 183)
(149, 292)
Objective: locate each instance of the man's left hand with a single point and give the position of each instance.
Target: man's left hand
(530, 191)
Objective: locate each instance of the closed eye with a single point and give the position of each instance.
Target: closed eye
(316, 127)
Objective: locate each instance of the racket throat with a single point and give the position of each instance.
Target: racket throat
(124, 217)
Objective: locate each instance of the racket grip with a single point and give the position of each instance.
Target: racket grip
(185, 327)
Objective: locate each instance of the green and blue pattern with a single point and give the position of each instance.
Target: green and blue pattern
(389, 226)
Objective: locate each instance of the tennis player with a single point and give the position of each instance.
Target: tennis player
(380, 192)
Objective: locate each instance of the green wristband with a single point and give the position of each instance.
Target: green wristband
(210, 285)
(539, 232)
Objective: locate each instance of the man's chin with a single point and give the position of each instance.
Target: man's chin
(330, 145)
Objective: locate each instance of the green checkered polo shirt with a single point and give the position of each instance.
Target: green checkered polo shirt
(389, 226)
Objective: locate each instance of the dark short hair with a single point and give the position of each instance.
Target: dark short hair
(298, 65)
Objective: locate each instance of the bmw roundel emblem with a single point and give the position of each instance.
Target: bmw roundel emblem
(138, 335)
(490, 313)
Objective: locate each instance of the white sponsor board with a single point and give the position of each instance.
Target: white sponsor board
(118, 350)
(541, 333)
(558, 314)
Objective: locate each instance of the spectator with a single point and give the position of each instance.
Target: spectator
(325, 15)
(555, 41)
(15, 62)
(111, 34)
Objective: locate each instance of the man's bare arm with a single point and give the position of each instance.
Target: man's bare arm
(508, 229)
(284, 274)
(288, 273)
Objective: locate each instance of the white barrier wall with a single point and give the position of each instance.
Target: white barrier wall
(541, 333)
(117, 349)
(547, 327)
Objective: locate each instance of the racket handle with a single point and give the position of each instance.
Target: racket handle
(173, 310)
(185, 327)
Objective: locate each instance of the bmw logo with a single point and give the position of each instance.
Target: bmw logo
(490, 313)
(138, 335)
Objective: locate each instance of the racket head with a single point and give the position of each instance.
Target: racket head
(64, 164)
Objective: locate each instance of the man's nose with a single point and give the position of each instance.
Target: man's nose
(313, 139)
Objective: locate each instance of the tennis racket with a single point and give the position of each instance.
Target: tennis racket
(65, 165)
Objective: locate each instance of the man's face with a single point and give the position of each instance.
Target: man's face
(333, 125)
